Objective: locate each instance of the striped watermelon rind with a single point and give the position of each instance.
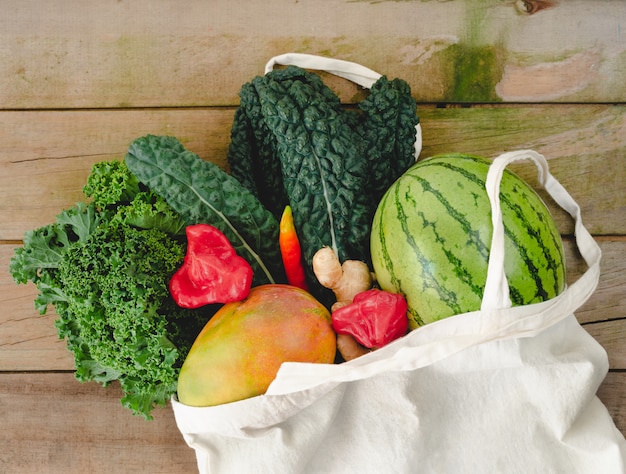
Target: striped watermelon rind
(431, 236)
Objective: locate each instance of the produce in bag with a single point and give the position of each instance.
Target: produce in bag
(294, 143)
(307, 159)
(431, 237)
(504, 380)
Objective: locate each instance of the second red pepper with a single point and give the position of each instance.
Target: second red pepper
(374, 318)
(212, 272)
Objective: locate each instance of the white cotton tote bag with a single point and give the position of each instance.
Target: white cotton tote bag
(500, 390)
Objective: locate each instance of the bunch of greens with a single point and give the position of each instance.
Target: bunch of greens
(201, 192)
(105, 266)
(293, 143)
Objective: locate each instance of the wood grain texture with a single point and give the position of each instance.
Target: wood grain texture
(51, 423)
(53, 151)
(140, 54)
(46, 156)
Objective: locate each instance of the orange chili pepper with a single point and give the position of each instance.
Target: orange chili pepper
(290, 250)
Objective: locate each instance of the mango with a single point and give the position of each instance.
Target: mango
(239, 351)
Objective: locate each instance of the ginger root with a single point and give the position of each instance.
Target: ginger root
(346, 281)
(349, 348)
(327, 267)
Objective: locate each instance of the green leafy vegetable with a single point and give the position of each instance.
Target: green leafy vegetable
(44, 248)
(110, 183)
(150, 211)
(252, 155)
(388, 130)
(105, 266)
(293, 143)
(115, 283)
(201, 192)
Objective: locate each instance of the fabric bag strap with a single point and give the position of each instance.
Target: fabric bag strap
(354, 72)
(496, 293)
(351, 71)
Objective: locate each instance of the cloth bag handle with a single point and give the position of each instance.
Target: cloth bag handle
(353, 72)
(496, 293)
(496, 320)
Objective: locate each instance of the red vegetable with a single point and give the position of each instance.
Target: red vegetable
(290, 250)
(374, 318)
(212, 272)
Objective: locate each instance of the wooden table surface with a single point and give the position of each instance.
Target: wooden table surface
(80, 80)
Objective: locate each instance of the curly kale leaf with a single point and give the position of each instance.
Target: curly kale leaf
(115, 283)
(148, 210)
(114, 189)
(111, 183)
(201, 192)
(44, 249)
(104, 266)
(118, 318)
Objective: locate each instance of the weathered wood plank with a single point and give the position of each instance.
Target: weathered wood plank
(612, 392)
(138, 54)
(609, 300)
(611, 335)
(45, 156)
(54, 424)
(28, 341)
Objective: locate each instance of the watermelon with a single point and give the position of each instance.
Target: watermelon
(431, 236)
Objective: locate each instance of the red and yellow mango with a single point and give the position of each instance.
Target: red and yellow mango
(239, 351)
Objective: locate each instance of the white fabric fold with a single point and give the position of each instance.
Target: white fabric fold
(500, 390)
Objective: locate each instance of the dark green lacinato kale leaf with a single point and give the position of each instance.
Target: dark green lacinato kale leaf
(388, 129)
(294, 143)
(201, 192)
(324, 173)
(252, 154)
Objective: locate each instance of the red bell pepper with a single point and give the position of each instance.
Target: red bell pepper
(374, 318)
(212, 272)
